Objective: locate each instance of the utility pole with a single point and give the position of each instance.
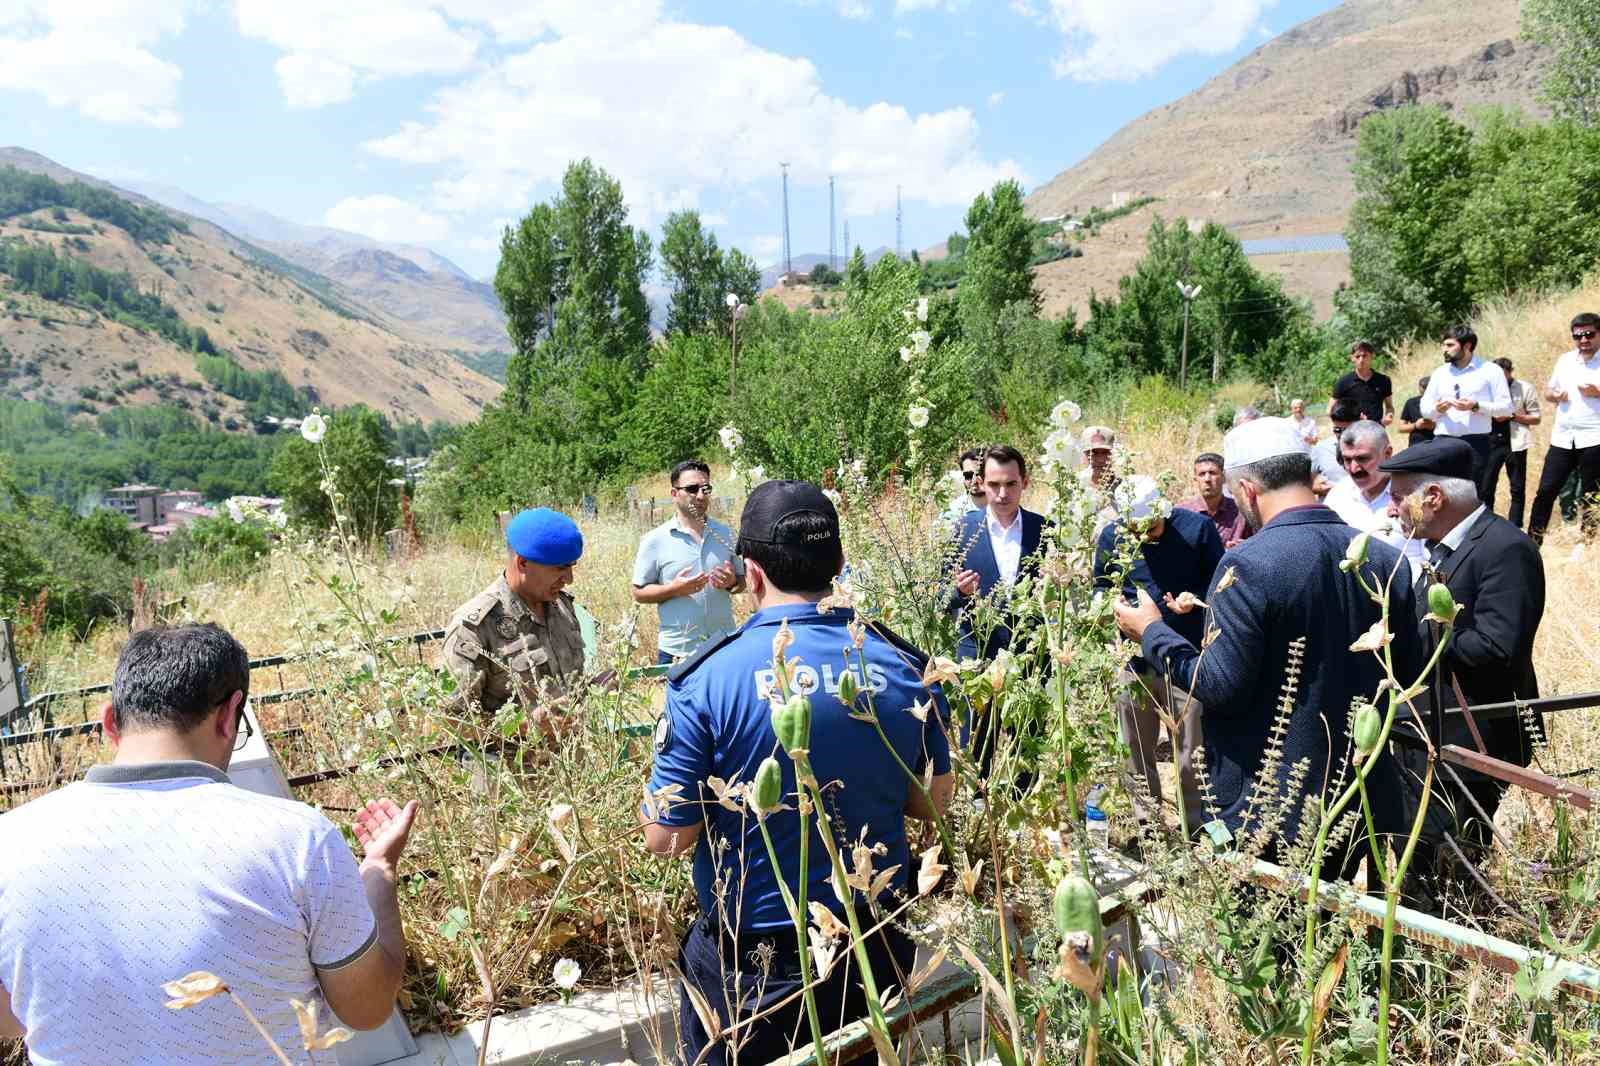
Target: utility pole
(848, 251)
(833, 230)
(898, 238)
(788, 262)
(1188, 292)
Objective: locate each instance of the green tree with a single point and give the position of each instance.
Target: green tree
(358, 454)
(1413, 174)
(701, 275)
(1571, 29)
(999, 247)
(571, 275)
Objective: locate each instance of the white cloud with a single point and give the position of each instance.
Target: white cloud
(996, 98)
(94, 56)
(905, 7)
(675, 109)
(387, 218)
(313, 80)
(1123, 40)
(855, 9)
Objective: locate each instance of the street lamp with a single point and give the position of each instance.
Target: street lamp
(1188, 292)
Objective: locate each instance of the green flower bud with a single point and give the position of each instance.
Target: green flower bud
(792, 723)
(1356, 553)
(768, 792)
(849, 688)
(1441, 605)
(1368, 724)
(1077, 910)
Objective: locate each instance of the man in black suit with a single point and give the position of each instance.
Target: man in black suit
(1496, 576)
(994, 547)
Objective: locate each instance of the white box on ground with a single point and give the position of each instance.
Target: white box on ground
(254, 768)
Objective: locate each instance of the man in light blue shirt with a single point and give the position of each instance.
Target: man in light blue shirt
(687, 567)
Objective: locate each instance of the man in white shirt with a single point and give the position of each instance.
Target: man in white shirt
(1511, 437)
(1575, 442)
(1362, 499)
(1464, 397)
(992, 548)
(1326, 469)
(156, 866)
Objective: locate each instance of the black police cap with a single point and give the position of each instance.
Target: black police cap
(1439, 457)
(772, 501)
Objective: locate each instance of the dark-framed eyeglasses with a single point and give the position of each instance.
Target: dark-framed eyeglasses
(243, 730)
(696, 490)
(1582, 334)
(968, 475)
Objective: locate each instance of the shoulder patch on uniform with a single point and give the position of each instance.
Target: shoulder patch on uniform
(689, 665)
(468, 647)
(479, 607)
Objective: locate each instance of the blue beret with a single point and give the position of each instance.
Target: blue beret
(544, 536)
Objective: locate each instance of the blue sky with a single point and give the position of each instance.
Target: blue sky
(438, 121)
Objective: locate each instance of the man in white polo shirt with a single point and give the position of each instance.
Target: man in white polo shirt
(1465, 396)
(688, 568)
(156, 866)
(1575, 442)
(1362, 499)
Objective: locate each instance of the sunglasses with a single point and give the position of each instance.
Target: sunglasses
(1582, 334)
(695, 490)
(968, 475)
(243, 731)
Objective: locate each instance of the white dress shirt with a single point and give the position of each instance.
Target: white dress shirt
(1372, 516)
(1478, 380)
(1453, 539)
(1524, 401)
(1007, 545)
(1578, 416)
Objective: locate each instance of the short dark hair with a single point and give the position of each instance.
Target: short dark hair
(1463, 335)
(1345, 411)
(807, 568)
(1422, 382)
(1208, 457)
(1504, 364)
(687, 465)
(171, 678)
(1585, 318)
(1005, 453)
(1363, 346)
(973, 455)
(1277, 471)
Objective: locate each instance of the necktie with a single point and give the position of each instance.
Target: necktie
(1437, 555)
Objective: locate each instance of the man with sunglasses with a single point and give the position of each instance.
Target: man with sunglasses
(687, 567)
(1575, 442)
(157, 865)
(520, 637)
(973, 497)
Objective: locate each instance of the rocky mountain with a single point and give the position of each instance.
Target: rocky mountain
(436, 303)
(1265, 147)
(262, 311)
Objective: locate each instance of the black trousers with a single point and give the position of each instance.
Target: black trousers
(1480, 443)
(1559, 464)
(708, 958)
(1515, 465)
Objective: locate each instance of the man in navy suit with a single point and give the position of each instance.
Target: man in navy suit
(994, 547)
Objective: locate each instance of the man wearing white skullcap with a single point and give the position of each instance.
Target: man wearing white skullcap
(1277, 676)
(1170, 556)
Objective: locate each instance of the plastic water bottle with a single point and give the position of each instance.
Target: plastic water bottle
(1096, 826)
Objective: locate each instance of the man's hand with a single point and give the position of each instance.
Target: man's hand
(687, 583)
(1134, 618)
(1386, 419)
(383, 828)
(967, 582)
(1462, 403)
(1444, 405)
(1183, 603)
(723, 576)
(1591, 391)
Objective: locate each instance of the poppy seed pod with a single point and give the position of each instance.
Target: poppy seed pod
(791, 721)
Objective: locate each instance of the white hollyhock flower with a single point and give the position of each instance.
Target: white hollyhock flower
(731, 438)
(566, 974)
(1065, 413)
(1059, 450)
(833, 497)
(918, 414)
(755, 474)
(920, 340)
(732, 300)
(922, 309)
(314, 428)
(906, 354)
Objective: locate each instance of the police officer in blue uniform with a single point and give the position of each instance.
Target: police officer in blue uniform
(741, 953)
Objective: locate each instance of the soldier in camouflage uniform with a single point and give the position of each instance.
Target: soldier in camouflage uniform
(519, 638)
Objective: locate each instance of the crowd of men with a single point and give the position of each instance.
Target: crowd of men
(157, 865)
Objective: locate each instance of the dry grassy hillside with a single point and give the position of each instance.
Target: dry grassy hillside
(263, 318)
(1264, 148)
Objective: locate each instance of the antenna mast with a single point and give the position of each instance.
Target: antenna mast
(833, 229)
(788, 263)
